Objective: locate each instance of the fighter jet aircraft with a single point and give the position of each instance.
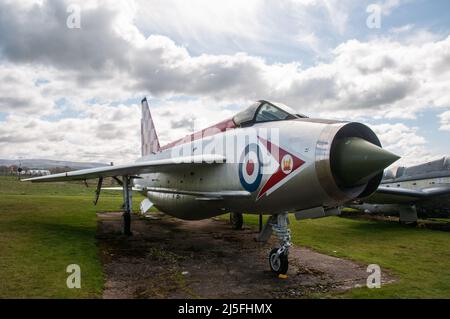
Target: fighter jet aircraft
(411, 192)
(267, 159)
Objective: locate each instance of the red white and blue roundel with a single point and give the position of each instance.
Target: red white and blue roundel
(250, 173)
(284, 166)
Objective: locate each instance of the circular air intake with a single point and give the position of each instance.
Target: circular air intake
(350, 160)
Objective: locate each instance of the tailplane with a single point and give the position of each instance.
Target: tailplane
(149, 139)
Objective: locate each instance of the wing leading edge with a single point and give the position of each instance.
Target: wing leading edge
(131, 169)
(400, 195)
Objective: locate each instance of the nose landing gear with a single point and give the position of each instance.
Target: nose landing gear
(278, 257)
(279, 262)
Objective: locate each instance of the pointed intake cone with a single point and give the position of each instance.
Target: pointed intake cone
(355, 161)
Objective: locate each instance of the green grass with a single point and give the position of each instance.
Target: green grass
(418, 258)
(43, 229)
(10, 185)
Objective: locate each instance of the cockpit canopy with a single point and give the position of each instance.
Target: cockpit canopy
(264, 111)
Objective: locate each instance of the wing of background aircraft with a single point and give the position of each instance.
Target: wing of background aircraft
(394, 195)
(132, 169)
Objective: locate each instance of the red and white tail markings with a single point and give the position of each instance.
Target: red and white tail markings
(149, 138)
(288, 166)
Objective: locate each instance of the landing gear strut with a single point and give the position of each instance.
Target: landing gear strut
(236, 220)
(278, 257)
(127, 205)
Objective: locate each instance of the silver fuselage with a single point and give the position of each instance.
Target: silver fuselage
(310, 185)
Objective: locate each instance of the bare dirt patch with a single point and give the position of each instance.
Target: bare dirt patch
(171, 258)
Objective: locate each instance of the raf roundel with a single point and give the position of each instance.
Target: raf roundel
(250, 168)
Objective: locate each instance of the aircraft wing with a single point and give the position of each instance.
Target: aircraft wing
(392, 195)
(132, 169)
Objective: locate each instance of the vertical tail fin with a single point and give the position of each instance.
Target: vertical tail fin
(149, 139)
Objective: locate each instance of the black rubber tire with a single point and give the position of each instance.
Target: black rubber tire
(282, 267)
(236, 221)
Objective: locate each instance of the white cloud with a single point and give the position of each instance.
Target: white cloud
(404, 141)
(402, 29)
(113, 58)
(445, 121)
(383, 75)
(101, 134)
(19, 92)
(198, 18)
(388, 6)
(312, 42)
(257, 27)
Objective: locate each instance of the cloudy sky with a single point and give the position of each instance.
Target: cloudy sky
(73, 93)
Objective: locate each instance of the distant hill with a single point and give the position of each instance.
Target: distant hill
(47, 164)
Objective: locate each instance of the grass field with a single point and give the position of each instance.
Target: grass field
(45, 227)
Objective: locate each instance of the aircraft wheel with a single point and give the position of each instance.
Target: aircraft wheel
(279, 264)
(236, 220)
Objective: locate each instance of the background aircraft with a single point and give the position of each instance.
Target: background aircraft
(267, 159)
(411, 192)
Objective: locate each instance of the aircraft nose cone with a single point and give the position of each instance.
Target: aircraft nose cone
(355, 161)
